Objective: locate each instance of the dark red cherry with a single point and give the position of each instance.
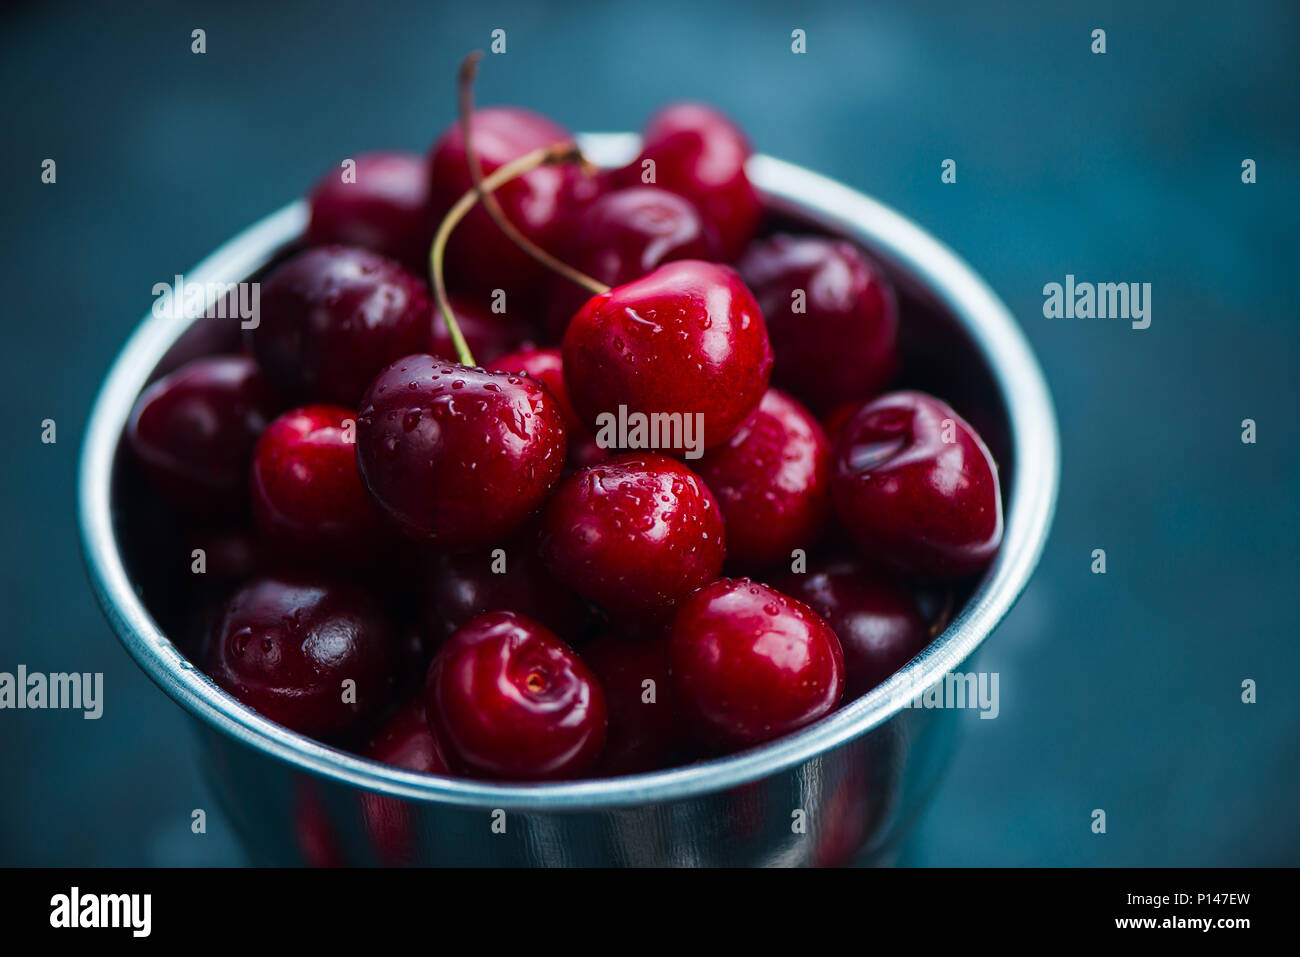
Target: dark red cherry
(547, 367)
(508, 700)
(624, 235)
(750, 664)
(307, 493)
(878, 621)
(635, 534)
(772, 482)
(685, 340)
(332, 317)
(406, 741)
(831, 315)
(286, 647)
(458, 456)
(489, 335)
(382, 205)
(538, 203)
(459, 586)
(917, 488)
(699, 153)
(633, 670)
(193, 432)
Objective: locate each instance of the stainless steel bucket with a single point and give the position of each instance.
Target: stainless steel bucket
(842, 790)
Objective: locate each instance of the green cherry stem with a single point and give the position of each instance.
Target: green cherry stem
(555, 154)
(468, 72)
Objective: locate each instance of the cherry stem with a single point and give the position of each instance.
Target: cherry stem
(553, 155)
(468, 72)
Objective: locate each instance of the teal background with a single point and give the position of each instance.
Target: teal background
(1119, 692)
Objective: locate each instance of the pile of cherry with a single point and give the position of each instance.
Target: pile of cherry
(438, 566)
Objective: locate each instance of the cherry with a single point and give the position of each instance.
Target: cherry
(687, 339)
(286, 646)
(635, 534)
(193, 432)
(406, 741)
(547, 367)
(332, 317)
(772, 481)
(384, 207)
(509, 700)
(633, 670)
(538, 203)
(916, 487)
(460, 586)
(307, 493)
(458, 456)
(878, 621)
(831, 314)
(488, 335)
(624, 235)
(699, 153)
(750, 664)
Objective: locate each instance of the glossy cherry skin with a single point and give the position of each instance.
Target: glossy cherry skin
(406, 741)
(687, 339)
(547, 367)
(489, 335)
(877, 620)
(772, 482)
(386, 208)
(193, 432)
(623, 235)
(700, 154)
(916, 487)
(332, 317)
(750, 664)
(307, 493)
(538, 203)
(643, 726)
(635, 534)
(509, 700)
(460, 586)
(285, 646)
(843, 345)
(457, 456)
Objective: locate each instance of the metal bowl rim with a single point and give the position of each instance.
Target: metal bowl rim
(1030, 506)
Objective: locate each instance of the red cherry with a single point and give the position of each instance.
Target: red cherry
(878, 621)
(538, 203)
(489, 335)
(831, 314)
(624, 235)
(332, 317)
(636, 533)
(750, 664)
(687, 339)
(772, 482)
(458, 456)
(547, 367)
(193, 432)
(385, 207)
(460, 586)
(307, 493)
(917, 488)
(509, 700)
(286, 646)
(405, 741)
(699, 153)
(633, 670)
